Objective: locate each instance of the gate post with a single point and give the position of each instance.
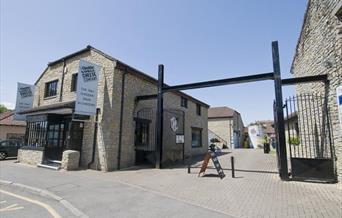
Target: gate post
(160, 117)
(279, 112)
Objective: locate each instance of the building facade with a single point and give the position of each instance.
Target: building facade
(11, 129)
(319, 51)
(227, 124)
(122, 133)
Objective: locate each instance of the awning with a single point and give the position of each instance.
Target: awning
(58, 108)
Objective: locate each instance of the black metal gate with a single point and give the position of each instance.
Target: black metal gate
(309, 137)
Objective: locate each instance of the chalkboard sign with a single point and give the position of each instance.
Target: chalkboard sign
(213, 157)
(217, 165)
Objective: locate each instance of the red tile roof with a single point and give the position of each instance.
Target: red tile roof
(6, 119)
(220, 112)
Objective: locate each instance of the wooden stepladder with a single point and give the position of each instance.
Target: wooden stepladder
(213, 157)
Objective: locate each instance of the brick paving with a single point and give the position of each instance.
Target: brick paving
(256, 192)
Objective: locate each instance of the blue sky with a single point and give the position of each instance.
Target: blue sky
(195, 40)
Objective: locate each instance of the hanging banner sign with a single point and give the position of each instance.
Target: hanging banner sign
(25, 96)
(87, 83)
(339, 105)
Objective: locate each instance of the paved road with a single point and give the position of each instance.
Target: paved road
(16, 202)
(99, 197)
(256, 192)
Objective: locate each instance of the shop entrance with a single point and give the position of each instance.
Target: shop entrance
(56, 140)
(55, 133)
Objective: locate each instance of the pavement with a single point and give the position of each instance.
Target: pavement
(256, 191)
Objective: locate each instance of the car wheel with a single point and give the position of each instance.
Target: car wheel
(3, 155)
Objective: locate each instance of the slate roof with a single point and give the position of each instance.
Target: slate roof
(128, 68)
(6, 119)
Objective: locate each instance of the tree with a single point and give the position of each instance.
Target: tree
(3, 108)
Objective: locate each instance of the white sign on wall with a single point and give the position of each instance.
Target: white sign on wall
(339, 105)
(87, 82)
(179, 139)
(174, 124)
(25, 96)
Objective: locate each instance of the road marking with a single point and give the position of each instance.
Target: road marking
(2, 202)
(10, 208)
(52, 211)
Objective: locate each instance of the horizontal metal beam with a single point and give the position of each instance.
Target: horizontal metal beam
(145, 97)
(221, 82)
(305, 79)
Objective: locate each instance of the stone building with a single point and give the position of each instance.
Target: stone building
(227, 124)
(9, 128)
(125, 132)
(319, 51)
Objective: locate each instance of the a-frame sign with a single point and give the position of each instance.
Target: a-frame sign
(213, 157)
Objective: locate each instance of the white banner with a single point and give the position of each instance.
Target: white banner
(25, 96)
(339, 105)
(87, 82)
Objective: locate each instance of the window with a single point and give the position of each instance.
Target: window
(198, 109)
(184, 102)
(74, 82)
(51, 88)
(55, 135)
(36, 133)
(141, 133)
(196, 137)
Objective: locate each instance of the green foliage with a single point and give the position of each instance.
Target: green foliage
(294, 141)
(3, 108)
(214, 140)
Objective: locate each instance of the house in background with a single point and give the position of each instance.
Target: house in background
(9, 128)
(259, 130)
(227, 124)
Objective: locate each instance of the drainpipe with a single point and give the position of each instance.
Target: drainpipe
(62, 82)
(95, 137)
(121, 116)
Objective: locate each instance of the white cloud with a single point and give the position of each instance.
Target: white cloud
(9, 105)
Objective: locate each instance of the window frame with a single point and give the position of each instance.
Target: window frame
(73, 86)
(200, 134)
(198, 110)
(47, 93)
(184, 102)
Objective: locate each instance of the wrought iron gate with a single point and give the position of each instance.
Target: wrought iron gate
(309, 138)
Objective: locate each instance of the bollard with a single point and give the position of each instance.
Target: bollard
(189, 168)
(232, 163)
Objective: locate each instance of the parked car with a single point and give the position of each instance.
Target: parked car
(9, 148)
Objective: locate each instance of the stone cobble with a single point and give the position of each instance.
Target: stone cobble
(257, 190)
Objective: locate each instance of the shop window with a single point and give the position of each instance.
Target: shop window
(51, 88)
(36, 133)
(198, 109)
(55, 135)
(184, 102)
(196, 137)
(74, 82)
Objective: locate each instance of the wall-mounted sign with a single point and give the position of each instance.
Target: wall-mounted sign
(339, 105)
(87, 83)
(25, 97)
(174, 124)
(179, 139)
